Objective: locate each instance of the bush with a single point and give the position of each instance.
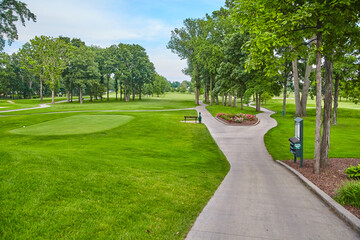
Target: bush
(349, 194)
(353, 172)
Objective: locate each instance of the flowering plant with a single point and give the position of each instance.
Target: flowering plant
(237, 118)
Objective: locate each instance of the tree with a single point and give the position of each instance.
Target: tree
(185, 42)
(47, 58)
(160, 85)
(84, 71)
(10, 12)
(5, 74)
(274, 25)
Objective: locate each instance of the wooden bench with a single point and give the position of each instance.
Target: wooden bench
(191, 117)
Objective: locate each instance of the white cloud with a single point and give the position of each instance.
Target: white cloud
(168, 64)
(93, 22)
(90, 22)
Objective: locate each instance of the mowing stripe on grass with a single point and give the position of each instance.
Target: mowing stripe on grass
(79, 124)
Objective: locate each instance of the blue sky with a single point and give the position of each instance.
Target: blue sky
(106, 22)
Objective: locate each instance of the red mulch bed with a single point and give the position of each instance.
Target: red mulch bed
(330, 178)
(244, 123)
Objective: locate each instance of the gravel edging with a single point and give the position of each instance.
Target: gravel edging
(340, 210)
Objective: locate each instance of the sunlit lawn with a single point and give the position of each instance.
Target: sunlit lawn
(163, 102)
(344, 137)
(215, 109)
(147, 177)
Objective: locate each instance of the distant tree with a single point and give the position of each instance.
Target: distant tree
(47, 58)
(10, 12)
(5, 74)
(84, 71)
(160, 85)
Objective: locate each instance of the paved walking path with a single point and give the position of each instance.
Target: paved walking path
(259, 199)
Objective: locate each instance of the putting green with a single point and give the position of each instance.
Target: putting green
(78, 124)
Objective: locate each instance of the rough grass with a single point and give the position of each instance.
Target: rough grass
(146, 179)
(342, 139)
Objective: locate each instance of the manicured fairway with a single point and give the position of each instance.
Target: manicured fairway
(148, 178)
(78, 124)
(164, 102)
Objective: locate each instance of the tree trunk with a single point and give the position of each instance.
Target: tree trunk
(140, 93)
(305, 91)
(257, 109)
(336, 99)
(284, 96)
(52, 96)
(71, 98)
(217, 100)
(67, 96)
(91, 97)
(235, 99)
(223, 99)
(318, 103)
(242, 101)
(196, 95)
(107, 86)
(259, 102)
(211, 91)
(30, 88)
(296, 88)
(230, 100)
(116, 98)
(325, 141)
(226, 97)
(120, 92)
(80, 96)
(133, 94)
(41, 91)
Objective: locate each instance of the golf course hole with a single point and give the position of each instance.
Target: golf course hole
(77, 124)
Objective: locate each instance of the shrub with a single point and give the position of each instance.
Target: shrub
(349, 194)
(353, 172)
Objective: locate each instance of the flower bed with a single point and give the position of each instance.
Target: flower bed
(237, 119)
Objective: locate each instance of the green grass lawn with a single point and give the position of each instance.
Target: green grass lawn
(215, 109)
(167, 101)
(343, 138)
(77, 124)
(144, 178)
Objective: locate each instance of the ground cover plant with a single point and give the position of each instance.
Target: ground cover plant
(353, 172)
(349, 194)
(133, 180)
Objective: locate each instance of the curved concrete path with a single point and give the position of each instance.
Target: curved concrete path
(259, 199)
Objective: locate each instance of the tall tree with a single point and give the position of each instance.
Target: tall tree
(48, 58)
(10, 12)
(277, 24)
(84, 70)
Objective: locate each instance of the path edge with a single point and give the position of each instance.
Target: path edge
(339, 210)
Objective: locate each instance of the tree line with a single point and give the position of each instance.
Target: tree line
(67, 66)
(264, 47)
